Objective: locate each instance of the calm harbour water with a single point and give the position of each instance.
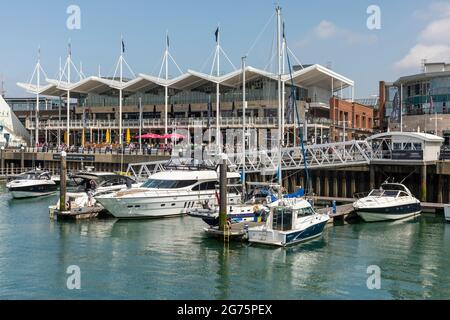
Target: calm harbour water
(171, 259)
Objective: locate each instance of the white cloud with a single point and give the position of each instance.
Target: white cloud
(437, 32)
(434, 41)
(327, 30)
(434, 53)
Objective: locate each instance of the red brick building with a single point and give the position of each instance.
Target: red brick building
(350, 120)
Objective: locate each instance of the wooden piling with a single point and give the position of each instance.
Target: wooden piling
(63, 183)
(223, 195)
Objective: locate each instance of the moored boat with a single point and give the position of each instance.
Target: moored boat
(392, 201)
(167, 193)
(291, 221)
(32, 184)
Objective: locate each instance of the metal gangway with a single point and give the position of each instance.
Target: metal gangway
(265, 162)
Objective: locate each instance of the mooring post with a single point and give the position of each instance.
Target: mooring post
(223, 193)
(62, 187)
(423, 184)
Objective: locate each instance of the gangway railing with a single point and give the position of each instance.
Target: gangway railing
(266, 162)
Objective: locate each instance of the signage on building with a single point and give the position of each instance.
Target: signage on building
(76, 157)
(407, 154)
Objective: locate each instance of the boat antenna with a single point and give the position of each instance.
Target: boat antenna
(297, 116)
(401, 182)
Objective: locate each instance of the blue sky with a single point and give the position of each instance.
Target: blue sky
(317, 31)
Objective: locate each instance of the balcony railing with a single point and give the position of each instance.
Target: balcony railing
(153, 123)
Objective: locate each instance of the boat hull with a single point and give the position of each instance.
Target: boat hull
(153, 207)
(389, 213)
(285, 238)
(30, 194)
(447, 212)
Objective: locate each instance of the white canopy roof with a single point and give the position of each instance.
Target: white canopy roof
(315, 75)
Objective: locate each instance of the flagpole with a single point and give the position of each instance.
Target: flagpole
(59, 108)
(140, 125)
(69, 62)
(120, 94)
(218, 90)
(401, 107)
(283, 90)
(166, 88)
(38, 66)
(244, 108)
(280, 138)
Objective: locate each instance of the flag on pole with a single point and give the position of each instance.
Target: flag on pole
(217, 35)
(395, 114)
(70, 48)
(168, 42)
(123, 46)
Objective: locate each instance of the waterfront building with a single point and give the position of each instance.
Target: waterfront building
(95, 114)
(423, 98)
(12, 132)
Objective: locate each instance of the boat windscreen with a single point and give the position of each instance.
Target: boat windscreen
(167, 184)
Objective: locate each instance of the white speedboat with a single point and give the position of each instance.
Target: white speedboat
(167, 193)
(392, 201)
(32, 184)
(291, 221)
(447, 212)
(82, 199)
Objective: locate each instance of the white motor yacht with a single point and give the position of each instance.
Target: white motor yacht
(167, 193)
(32, 184)
(392, 201)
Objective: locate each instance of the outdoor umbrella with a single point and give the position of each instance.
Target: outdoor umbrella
(108, 136)
(128, 136)
(149, 136)
(173, 136)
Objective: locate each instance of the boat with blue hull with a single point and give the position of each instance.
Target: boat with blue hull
(392, 201)
(291, 221)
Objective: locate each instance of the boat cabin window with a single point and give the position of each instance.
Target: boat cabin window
(116, 181)
(305, 212)
(376, 193)
(282, 219)
(208, 185)
(390, 193)
(168, 184)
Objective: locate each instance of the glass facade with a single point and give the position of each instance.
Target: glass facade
(427, 96)
(257, 90)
